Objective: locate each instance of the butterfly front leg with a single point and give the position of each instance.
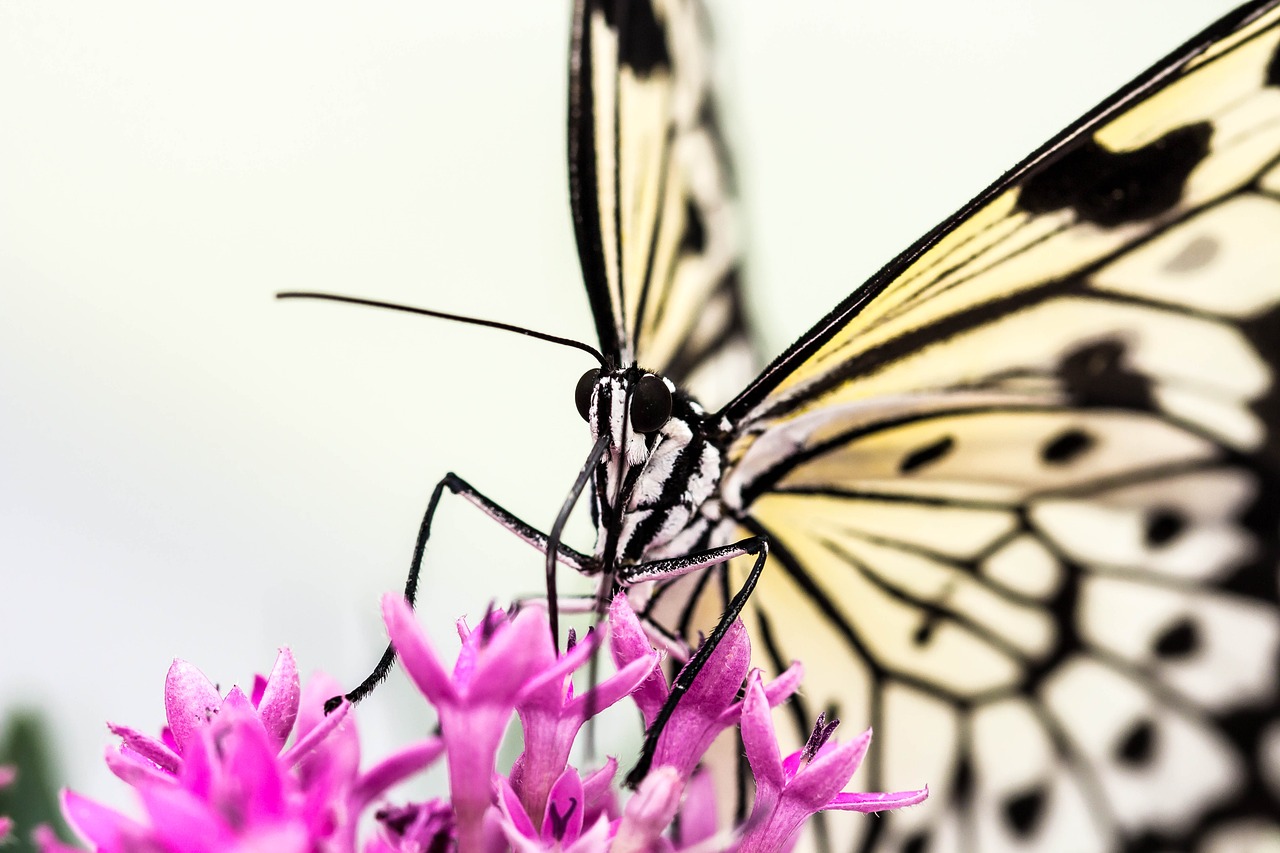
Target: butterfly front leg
(525, 531)
(675, 567)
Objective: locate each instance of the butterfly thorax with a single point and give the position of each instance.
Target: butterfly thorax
(659, 471)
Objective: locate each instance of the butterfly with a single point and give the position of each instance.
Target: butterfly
(1019, 490)
(1015, 501)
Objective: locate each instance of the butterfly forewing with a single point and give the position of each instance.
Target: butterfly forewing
(652, 196)
(1023, 488)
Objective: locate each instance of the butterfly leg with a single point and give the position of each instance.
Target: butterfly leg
(527, 532)
(568, 556)
(659, 569)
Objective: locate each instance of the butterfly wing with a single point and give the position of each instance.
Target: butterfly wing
(651, 195)
(1023, 488)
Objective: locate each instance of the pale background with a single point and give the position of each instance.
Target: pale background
(189, 468)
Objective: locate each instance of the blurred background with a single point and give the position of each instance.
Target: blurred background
(191, 468)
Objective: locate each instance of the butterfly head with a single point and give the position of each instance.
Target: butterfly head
(634, 409)
(629, 405)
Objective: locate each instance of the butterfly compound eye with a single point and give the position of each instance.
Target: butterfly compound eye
(582, 394)
(650, 404)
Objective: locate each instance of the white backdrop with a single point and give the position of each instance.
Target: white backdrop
(188, 467)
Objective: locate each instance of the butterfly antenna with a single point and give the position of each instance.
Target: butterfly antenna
(459, 318)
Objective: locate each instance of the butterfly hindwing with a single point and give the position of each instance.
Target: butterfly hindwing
(651, 193)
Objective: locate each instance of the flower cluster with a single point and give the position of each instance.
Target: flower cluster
(7, 775)
(224, 776)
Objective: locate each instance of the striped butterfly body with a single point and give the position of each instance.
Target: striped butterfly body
(1019, 493)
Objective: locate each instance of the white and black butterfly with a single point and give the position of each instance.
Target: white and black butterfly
(1019, 493)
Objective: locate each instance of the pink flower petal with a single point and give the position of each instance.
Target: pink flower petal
(628, 642)
(235, 702)
(721, 678)
(548, 672)
(395, 769)
(594, 840)
(621, 684)
(278, 703)
(134, 770)
(698, 817)
(276, 839)
(182, 822)
(48, 842)
(826, 775)
(761, 742)
(563, 819)
(597, 791)
(701, 712)
(259, 688)
(337, 757)
(104, 828)
(788, 682)
(649, 812)
(149, 748)
(877, 802)
(510, 660)
(308, 743)
(416, 654)
(190, 701)
(248, 754)
(513, 811)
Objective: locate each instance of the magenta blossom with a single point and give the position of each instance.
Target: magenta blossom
(268, 770)
(790, 790)
(500, 665)
(7, 775)
(221, 779)
(711, 704)
(563, 825)
(551, 715)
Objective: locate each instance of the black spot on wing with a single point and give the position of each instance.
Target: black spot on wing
(1095, 375)
(1273, 69)
(924, 633)
(642, 39)
(1179, 640)
(1137, 746)
(694, 239)
(1163, 526)
(1066, 447)
(917, 843)
(962, 782)
(1111, 188)
(917, 459)
(1023, 812)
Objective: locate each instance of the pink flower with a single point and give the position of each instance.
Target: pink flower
(7, 775)
(551, 715)
(561, 825)
(710, 705)
(191, 701)
(789, 791)
(499, 665)
(269, 771)
(422, 826)
(221, 779)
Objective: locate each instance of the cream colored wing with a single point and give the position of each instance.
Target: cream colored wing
(652, 196)
(1023, 488)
